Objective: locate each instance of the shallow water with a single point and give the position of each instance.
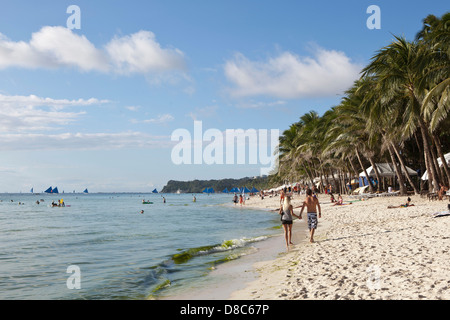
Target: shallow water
(120, 253)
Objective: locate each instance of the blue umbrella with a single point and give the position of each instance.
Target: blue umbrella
(244, 190)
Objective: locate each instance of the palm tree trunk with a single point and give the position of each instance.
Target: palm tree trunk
(376, 172)
(426, 148)
(308, 172)
(365, 171)
(355, 172)
(423, 164)
(336, 182)
(401, 182)
(437, 142)
(402, 164)
(349, 177)
(435, 162)
(429, 179)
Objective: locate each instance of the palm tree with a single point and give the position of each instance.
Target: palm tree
(401, 97)
(435, 39)
(398, 72)
(384, 119)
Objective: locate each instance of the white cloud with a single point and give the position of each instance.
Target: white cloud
(133, 108)
(80, 141)
(260, 104)
(160, 119)
(288, 75)
(200, 113)
(140, 53)
(32, 113)
(26, 120)
(54, 47)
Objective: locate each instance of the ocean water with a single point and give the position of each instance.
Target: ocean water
(120, 253)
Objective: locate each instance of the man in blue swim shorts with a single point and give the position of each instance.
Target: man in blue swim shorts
(311, 203)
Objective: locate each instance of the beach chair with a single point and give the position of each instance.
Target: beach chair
(382, 194)
(432, 196)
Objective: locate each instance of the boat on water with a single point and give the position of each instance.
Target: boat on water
(86, 191)
(52, 190)
(155, 191)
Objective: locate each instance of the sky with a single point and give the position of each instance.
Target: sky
(126, 95)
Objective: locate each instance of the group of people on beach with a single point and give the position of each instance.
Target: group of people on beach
(286, 211)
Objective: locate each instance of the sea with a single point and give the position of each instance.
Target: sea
(109, 246)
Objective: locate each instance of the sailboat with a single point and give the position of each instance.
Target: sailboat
(49, 190)
(86, 191)
(155, 191)
(55, 190)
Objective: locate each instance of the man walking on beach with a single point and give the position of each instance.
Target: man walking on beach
(311, 203)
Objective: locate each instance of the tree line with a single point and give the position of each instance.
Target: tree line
(197, 186)
(397, 112)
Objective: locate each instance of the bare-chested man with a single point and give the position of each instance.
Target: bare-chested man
(311, 203)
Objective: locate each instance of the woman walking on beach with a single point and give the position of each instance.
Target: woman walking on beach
(286, 212)
(311, 203)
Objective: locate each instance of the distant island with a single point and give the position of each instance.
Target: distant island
(197, 186)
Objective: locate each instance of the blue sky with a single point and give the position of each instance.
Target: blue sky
(96, 107)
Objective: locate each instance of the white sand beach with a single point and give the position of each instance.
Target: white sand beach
(361, 251)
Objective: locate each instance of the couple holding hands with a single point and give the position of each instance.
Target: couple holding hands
(286, 211)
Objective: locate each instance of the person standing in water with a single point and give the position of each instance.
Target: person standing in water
(311, 203)
(286, 212)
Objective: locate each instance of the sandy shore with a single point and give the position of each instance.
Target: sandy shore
(362, 251)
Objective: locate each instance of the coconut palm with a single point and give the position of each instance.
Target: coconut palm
(401, 98)
(398, 71)
(435, 40)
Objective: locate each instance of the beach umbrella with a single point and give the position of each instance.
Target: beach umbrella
(244, 190)
(446, 157)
